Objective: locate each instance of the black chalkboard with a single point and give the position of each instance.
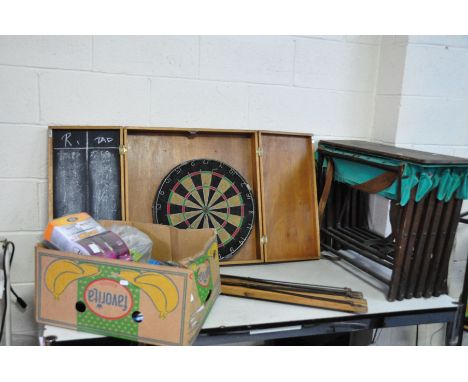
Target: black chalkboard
(86, 168)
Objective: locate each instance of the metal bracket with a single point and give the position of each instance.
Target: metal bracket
(260, 151)
(264, 239)
(123, 149)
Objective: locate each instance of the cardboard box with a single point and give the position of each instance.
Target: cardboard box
(160, 305)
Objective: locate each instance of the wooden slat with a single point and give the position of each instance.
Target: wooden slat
(50, 174)
(123, 176)
(354, 210)
(78, 127)
(262, 196)
(443, 232)
(358, 302)
(306, 290)
(401, 244)
(258, 189)
(428, 249)
(287, 133)
(291, 299)
(421, 244)
(169, 129)
(419, 208)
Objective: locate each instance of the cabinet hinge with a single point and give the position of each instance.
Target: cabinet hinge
(123, 149)
(264, 239)
(260, 151)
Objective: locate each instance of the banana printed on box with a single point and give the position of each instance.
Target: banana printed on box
(159, 288)
(61, 273)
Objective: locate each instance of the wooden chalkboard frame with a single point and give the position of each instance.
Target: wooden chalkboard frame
(310, 246)
(51, 164)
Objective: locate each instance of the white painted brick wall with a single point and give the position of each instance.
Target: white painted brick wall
(42, 196)
(394, 39)
(30, 162)
(19, 95)
(172, 56)
(455, 41)
(461, 151)
(386, 113)
(325, 64)
(67, 52)
(19, 205)
(455, 281)
(332, 86)
(23, 321)
(460, 250)
(435, 92)
(264, 59)
(390, 72)
(93, 99)
(370, 39)
(22, 270)
(310, 110)
(194, 103)
(436, 71)
(437, 121)
(391, 69)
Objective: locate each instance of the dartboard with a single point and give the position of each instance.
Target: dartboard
(206, 193)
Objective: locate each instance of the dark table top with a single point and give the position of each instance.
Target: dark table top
(390, 151)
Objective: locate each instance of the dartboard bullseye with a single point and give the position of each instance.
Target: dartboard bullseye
(206, 193)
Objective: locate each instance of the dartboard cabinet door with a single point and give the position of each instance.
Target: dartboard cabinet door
(257, 189)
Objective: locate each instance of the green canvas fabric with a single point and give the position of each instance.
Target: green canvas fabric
(449, 180)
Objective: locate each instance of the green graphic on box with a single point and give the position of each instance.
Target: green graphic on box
(109, 304)
(202, 271)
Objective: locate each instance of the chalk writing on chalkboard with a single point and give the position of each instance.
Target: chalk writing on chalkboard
(86, 167)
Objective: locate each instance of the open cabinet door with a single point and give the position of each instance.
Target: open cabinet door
(289, 197)
(154, 153)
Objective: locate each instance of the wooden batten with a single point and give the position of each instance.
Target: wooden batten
(76, 127)
(123, 175)
(262, 195)
(50, 176)
(171, 130)
(314, 213)
(259, 192)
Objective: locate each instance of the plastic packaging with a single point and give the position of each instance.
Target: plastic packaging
(81, 234)
(106, 244)
(138, 242)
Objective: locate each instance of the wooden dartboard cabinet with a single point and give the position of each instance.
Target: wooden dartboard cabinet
(278, 166)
